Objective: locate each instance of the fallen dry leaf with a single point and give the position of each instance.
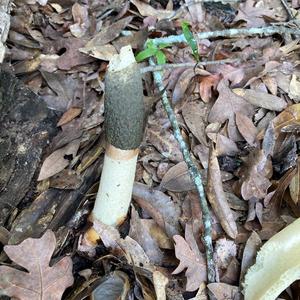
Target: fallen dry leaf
(252, 246)
(160, 282)
(140, 232)
(183, 82)
(147, 10)
(223, 291)
(106, 35)
(158, 234)
(282, 185)
(202, 293)
(80, 17)
(289, 117)
(195, 117)
(271, 84)
(225, 146)
(177, 178)
(225, 108)
(197, 11)
(246, 128)
(58, 160)
(72, 57)
(207, 84)
(261, 99)
(294, 91)
(69, 115)
(254, 175)
(217, 197)
(253, 14)
(103, 52)
(164, 142)
(113, 286)
(234, 74)
(191, 259)
(64, 88)
(41, 282)
(224, 251)
(295, 185)
(128, 247)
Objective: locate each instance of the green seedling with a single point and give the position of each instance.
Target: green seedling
(153, 50)
(190, 39)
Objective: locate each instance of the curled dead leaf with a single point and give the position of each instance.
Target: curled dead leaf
(262, 99)
(217, 197)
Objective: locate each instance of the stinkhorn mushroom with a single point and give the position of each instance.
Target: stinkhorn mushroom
(277, 265)
(124, 128)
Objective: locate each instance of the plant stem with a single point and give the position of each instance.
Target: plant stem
(195, 176)
(266, 31)
(156, 68)
(288, 10)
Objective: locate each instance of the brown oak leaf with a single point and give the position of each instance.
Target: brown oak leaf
(41, 282)
(225, 108)
(186, 250)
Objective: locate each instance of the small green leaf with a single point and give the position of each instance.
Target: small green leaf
(163, 45)
(160, 57)
(190, 39)
(148, 52)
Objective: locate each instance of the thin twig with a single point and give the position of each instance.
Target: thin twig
(195, 176)
(156, 68)
(266, 31)
(288, 10)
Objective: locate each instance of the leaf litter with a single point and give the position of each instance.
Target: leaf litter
(240, 120)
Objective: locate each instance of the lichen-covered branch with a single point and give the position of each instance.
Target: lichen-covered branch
(187, 65)
(195, 175)
(266, 31)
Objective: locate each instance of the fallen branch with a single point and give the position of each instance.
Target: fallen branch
(4, 25)
(156, 68)
(195, 176)
(288, 10)
(234, 32)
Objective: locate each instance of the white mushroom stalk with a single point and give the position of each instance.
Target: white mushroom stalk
(277, 265)
(124, 128)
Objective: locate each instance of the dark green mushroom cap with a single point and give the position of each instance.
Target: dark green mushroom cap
(124, 107)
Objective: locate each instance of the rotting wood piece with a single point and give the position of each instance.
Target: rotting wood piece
(26, 125)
